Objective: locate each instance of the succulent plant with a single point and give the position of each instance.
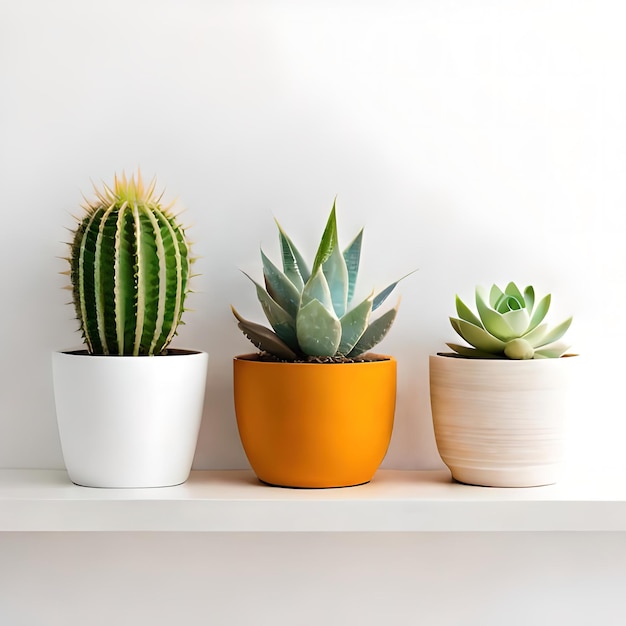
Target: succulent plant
(508, 326)
(310, 311)
(129, 268)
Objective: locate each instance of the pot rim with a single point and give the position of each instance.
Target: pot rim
(459, 357)
(82, 352)
(252, 358)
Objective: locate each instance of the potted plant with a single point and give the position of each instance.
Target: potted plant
(128, 407)
(499, 404)
(315, 408)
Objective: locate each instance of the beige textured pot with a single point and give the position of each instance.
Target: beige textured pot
(500, 423)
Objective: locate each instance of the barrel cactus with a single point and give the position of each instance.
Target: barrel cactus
(508, 326)
(129, 268)
(310, 311)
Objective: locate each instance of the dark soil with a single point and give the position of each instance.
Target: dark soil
(362, 358)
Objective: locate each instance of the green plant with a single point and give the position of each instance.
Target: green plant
(310, 311)
(129, 268)
(508, 326)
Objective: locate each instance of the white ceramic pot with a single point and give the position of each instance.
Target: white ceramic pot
(500, 423)
(129, 421)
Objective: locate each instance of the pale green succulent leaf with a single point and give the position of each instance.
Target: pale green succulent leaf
(556, 333)
(529, 299)
(478, 337)
(353, 325)
(512, 290)
(264, 339)
(294, 265)
(328, 242)
(495, 294)
(352, 257)
(519, 349)
(319, 332)
(279, 287)
(472, 353)
(509, 303)
(316, 288)
(492, 321)
(552, 351)
(495, 324)
(541, 310)
(517, 321)
(375, 332)
(504, 326)
(336, 273)
(535, 337)
(508, 300)
(465, 313)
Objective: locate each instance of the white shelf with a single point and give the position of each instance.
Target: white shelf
(234, 501)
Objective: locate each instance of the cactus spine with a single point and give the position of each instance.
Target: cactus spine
(130, 267)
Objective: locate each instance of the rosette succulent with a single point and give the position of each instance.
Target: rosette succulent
(508, 326)
(310, 311)
(129, 268)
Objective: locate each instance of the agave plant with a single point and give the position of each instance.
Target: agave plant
(129, 268)
(310, 311)
(508, 326)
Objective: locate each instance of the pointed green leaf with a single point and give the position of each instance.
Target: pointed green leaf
(517, 321)
(384, 294)
(536, 335)
(552, 351)
(375, 332)
(264, 339)
(508, 303)
(556, 333)
(495, 324)
(465, 313)
(280, 288)
(512, 290)
(352, 257)
(509, 300)
(294, 265)
(336, 274)
(540, 312)
(329, 241)
(529, 299)
(281, 321)
(492, 321)
(455, 324)
(316, 288)
(477, 337)
(353, 325)
(319, 332)
(495, 294)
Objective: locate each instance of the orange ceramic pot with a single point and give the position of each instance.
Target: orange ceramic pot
(314, 425)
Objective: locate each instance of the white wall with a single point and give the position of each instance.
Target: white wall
(477, 141)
